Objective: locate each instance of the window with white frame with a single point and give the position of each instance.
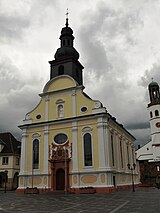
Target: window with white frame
(121, 153)
(133, 155)
(128, 154)
(87, 144)
(35, 154)
(112, 149)
(5, 160)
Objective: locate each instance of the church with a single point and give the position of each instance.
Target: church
(69, 141)
(149, 154)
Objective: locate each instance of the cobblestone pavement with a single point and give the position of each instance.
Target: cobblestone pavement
(143, 200)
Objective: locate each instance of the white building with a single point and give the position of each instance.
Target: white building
(149, 154)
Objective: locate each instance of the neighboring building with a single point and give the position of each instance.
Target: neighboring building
(70, 141)
(149, 154)
(9, 161)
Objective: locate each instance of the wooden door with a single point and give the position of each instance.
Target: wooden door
(60, 179)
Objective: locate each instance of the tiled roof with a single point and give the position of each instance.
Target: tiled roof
(11, 145)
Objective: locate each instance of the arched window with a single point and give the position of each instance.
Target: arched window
(151, 114)
(156, 113)
(87, 150)
(121, 153)
(35, 154)
(112, 147)
(128, 154)
(61, 70)
(60, 111)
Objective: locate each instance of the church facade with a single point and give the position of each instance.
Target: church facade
(149, 154)
(70, 141)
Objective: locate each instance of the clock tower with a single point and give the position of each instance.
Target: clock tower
(154, 114)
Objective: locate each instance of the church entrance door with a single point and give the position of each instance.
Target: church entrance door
(60, 179)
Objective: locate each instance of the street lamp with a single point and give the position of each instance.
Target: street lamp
(5, 186)
(132, 168)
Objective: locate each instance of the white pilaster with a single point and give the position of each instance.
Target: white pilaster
(45, 170)
(101, 143)
(46, 108)
(107, 150)
(118, 155)
(23, 152)
(73, 103)
(74, 147)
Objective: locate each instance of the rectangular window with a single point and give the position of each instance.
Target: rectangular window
(5, 161)
(112, 147)
(121, 153)
(87, 150)
(133, 155)
(128, 154)
(35, 162)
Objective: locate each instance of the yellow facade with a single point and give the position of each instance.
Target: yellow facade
(69, 140)
(93, 121)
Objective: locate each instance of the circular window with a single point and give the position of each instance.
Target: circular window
(38, 116)
(83, 109)
(61, 138)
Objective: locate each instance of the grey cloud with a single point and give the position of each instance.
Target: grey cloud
(142, 136)
(145, 80)
(19, 96)
(12, 27)
(9, 78)
(135, 126)
(99, 37)
(149, 74)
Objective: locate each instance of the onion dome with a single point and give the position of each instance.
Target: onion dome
(66, 50)
(153, 84)
(154, 93)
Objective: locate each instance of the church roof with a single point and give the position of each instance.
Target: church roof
(11, 145)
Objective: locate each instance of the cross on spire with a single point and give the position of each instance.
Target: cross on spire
(67, 17)
(67, 13)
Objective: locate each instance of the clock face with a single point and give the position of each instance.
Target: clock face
(158, 124)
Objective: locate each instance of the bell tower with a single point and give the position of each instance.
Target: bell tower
(154, 116)
(66, 57)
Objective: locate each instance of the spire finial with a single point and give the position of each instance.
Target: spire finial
(67, 18)
(152, 79)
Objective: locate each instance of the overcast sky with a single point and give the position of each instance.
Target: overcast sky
(119, 46)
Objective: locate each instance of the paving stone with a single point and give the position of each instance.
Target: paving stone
(145, 200)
